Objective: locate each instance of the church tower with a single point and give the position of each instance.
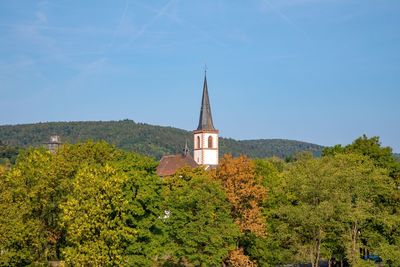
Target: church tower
(206, 136)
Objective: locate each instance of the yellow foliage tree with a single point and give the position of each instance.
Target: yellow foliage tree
(238, 259)
(244, 191)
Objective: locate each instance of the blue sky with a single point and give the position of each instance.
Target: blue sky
(322, 71)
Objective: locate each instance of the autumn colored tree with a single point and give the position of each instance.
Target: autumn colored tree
(244, 191)
(237, 258)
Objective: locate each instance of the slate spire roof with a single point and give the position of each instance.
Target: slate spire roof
(205, 120)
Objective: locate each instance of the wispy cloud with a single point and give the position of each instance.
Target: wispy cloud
(121, 19)
(269, 6)
(159, 13)
(53, 43)
(206, 35)
(167, 12)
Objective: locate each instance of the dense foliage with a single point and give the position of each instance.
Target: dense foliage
(201, 230)
(327, 206)
(91, 204)
(86, 203)
(8, 154)
(149, 140)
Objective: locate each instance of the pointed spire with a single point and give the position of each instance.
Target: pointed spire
(186, 149)
(205, 120)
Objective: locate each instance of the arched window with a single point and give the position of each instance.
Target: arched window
(198, 142)
(210, 142)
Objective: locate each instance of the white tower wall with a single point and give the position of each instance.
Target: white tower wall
(206, 148)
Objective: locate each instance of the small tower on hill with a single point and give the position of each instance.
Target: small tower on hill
(206, 136)
(54, 143)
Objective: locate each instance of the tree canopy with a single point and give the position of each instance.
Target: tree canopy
(94, 204)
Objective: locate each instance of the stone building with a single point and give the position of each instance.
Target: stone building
(54, 143)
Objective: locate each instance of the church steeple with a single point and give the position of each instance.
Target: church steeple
(205, 120)
(206, 136)
(186, 149)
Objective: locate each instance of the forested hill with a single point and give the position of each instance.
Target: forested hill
(154, 141)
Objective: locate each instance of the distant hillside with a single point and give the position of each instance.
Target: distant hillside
(154, 141)
(7, 153)
(397, 156)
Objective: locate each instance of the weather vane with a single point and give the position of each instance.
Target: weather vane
(205, 68)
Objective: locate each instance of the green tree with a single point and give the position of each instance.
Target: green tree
(199, 226)
(8, 154)
(268, 250)
(382, 157)
(324, 207)
(112, 214)
(28, 225)
(92, 217)
(388, 242)
(33, 227)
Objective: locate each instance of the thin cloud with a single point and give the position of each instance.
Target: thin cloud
(159, 14)
(283, 16)
(165, 12)
(207, 35)
(114, 34)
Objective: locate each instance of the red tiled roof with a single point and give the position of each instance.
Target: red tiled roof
(170, 164)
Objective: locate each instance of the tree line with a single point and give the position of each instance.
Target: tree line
(93, 204)
(8, 154)
(150, 140)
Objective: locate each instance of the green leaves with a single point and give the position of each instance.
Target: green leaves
(8, 154)
(93, 204)
(198, 222)
(28, 220)
(92, 201)
(93, 215)
(326, 207)
(111, 215)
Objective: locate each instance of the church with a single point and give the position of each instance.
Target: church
(205, 143)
